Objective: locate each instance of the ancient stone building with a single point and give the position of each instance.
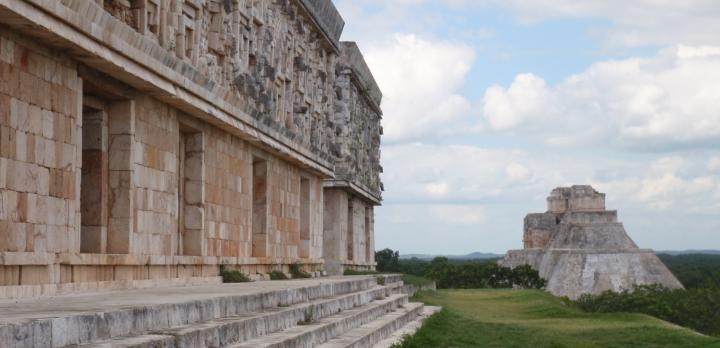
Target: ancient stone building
(351, 196)
(580, 247)
(148, 142)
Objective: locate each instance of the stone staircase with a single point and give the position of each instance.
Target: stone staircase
(326, 312)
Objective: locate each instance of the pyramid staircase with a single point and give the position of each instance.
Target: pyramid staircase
(327, 312)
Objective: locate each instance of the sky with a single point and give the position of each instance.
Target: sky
(490, 104)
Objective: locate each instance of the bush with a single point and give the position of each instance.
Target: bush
(297, 273)
(698, 309)
(277, 275)
(487, 274)
(380, 280)
(352, 272)
(233, 276)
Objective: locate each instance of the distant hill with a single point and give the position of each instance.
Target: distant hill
(484, 256)
(472, 256)
(686, 252)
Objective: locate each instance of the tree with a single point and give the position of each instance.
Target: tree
(387, 260)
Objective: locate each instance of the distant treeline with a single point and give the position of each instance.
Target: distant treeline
(460, 274)
(694, 270)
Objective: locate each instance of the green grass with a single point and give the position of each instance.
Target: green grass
(532, 318)
(415, 280)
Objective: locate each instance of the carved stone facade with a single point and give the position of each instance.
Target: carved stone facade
(579, 247)
(148, 142)
(356, 188)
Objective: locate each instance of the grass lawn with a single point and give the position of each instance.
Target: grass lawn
(531, 318)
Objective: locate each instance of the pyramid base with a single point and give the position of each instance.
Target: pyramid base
(574, 272)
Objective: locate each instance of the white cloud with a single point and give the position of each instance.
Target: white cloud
(632, 22)
(527, 97)
(437, 188)
(518, 172)
(669, 193)
(714, 164)
(671, 99)
(460, 175)
(421, 81)
(452, 173)
(443, 214)
(457, 214)
(487, 192)
(629, 22)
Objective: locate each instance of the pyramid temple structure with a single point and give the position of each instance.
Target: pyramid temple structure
(579, 247)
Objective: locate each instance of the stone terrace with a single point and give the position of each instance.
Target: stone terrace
(335, 311)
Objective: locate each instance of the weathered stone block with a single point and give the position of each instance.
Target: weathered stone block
(47, 124)
(21, 146)
(194, 217)
(194, 192)
(7, 50)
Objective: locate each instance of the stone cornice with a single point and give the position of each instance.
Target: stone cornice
(362, 75)
(326, 17)
(354, 188)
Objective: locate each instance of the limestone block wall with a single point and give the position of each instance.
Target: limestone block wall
(39, 158)
(132, 226)
(361, 244)
(157, 139)
(541, 228)
(226, 209)
(348, 232)
(538, 229)
(335, 225)
(156, 179)
(284, 191)
(575, 198)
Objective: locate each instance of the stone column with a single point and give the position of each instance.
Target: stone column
(193, 200)
(121, 133)
(94, 193)
(335, 224)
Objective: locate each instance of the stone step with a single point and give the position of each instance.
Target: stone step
(315, 333)
(408, 330)
(369, 334)
(391, 278)
(73, 320)
(225, 331)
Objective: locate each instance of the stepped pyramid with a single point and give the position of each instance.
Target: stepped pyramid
(579, 247)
